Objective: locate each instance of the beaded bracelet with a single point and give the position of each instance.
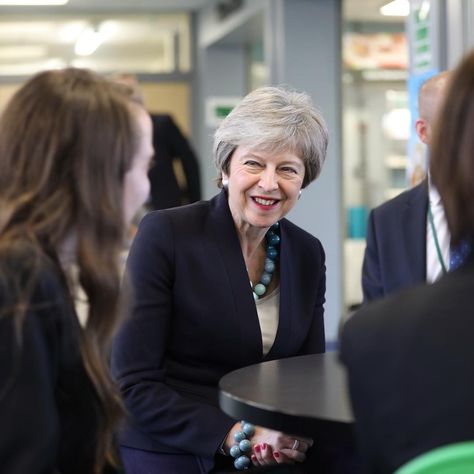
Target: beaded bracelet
(242, 446)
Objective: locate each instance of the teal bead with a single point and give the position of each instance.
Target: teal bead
(274, 239)
(248, 429)
(269, 266)
(272, 252)
(245, 445)
(239, 436)
(266, 278)
(242, 463)
(235, 451)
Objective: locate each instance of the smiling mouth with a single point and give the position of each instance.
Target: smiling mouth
(265, 202)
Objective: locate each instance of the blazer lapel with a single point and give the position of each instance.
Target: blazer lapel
(414, 233)
(241, 301)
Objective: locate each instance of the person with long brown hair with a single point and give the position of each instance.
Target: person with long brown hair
(74, 156)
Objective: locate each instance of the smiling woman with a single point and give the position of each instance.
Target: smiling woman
(262, 186)
(196, 317)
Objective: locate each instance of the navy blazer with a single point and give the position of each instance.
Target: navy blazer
(195, 319)
(409, 360)
(395, 256)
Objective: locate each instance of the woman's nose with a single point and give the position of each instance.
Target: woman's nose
(268, 180)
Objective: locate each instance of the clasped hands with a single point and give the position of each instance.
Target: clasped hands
(273, 447)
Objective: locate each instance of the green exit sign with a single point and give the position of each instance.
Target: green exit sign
(222, 111)
(218, 108)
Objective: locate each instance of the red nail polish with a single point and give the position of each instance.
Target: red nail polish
(264, 446)
(276, 454)
(257, 448)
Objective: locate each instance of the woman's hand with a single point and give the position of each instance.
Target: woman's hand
(272, 447)
(275, 447)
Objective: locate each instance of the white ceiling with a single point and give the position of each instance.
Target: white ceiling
(367, 11)
(141, 38)
(354, 10)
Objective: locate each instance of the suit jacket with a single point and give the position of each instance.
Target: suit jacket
(171, 144)
(195, 319)
(395, 256)
(409, 360)
(48, 406)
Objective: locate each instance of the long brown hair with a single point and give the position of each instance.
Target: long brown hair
(452, 152)
(67, 138)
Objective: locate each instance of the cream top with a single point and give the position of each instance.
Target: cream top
(268, 310)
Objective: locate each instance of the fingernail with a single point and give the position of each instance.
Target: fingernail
(257, 448)
(254, 458)
(264, 446)
(276, 454)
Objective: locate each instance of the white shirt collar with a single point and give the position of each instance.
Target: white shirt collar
(435, 198)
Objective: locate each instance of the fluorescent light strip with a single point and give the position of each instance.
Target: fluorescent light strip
(396, 8)
(89, 40)
(36, 3)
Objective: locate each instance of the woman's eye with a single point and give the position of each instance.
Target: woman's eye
(288, 169)
(251, 163)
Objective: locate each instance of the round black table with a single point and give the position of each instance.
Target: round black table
(303, 395)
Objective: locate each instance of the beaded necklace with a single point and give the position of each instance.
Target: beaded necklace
(272, 239)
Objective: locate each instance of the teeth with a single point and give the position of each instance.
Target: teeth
(265, 202)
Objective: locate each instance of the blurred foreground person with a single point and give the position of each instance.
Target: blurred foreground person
(222, 284)
(410, 357)
(74, 155)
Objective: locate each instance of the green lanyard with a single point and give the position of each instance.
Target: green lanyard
(435, 236)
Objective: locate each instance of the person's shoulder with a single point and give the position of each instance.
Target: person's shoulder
(181, 212)
(399, 202)
(395, 313)
(22, 259)
(187, 216)
(28, 275)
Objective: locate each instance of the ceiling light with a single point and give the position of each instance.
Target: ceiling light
(37, 3)
(89, 40)
(424, 10)
(396, 8)
(70, 31)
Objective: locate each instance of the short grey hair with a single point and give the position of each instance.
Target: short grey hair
(274, 119)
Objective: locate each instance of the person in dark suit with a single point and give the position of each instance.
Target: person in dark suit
(409, 357)
(74, 152)
(222, 284)
(401, 248)
(174, 174)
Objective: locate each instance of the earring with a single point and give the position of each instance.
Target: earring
(225, 183)
(299, 194)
